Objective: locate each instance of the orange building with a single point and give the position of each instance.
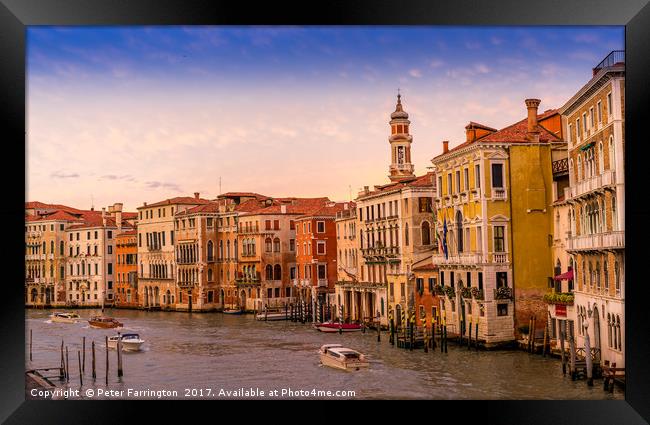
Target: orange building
(316, 257)
(427, 303)
(126, 269)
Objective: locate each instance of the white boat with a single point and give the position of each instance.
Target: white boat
(232, 310)
(339, 357)
(64, 317)
(272, 315)
(130, 342)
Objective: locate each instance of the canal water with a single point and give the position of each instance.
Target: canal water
(228, 355)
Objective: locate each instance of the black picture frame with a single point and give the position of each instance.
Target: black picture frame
(15, 15)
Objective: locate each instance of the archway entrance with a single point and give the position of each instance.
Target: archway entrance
(34, 295)
(242, 299)
(596, 317)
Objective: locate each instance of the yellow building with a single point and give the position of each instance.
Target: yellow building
(494, 224)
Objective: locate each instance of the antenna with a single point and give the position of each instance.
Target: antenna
(219, 185)
(350, 189)
(92, 202)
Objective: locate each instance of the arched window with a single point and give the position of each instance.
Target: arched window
(459, 227)
(598, 275)
(228, 250)
(618, 331)
(211, 251)
(406, 234)
(220, 250)
(426, 233)
(61, 248)
(579, 167)
(617, 278)
(612, 162)
(614, 216)
(276, 245)
(268, 271)
(267, 244)
(44, 248)
(51, 247)
(571, 171)
(277, 272)
(209, 275)
(609, 330)
(584, 274)
(601, 160)
(606, 275)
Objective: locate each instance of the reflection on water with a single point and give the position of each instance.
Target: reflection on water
(228, 352)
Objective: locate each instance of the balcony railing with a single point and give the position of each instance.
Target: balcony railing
(600, 241)
(380, 251)
(592, 184)
(500, 257)
(465, 258)
(503, 293)
(614, 58)
(187, 284)
(322, 282)
(498, 193)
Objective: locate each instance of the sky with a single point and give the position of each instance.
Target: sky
(141, 114)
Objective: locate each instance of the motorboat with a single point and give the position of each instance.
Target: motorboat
(130, 342)
(339, 357)
(232, 310)
(62, 317)
(104, 322)
(332, 327)
(275, 314)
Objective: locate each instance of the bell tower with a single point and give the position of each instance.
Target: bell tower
(400, 143)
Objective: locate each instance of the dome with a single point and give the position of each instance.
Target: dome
(399, 112)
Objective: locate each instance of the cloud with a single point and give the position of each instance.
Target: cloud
(163, 185)
(586, 38)
(62, 175)
(126, 177)
(472, 45)
(415, 73)
(436, 63)
(496, 40)
(481, 68)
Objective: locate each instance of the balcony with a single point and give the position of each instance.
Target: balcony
(503, 293)
(187, 284)
(498, 193)
(322, 283)
(597, 242)
(593, 184)
(244, 279)
(153, 248)
(380, 251)
(464, 258)
(500, 257)
(248, 230)
(616, 57)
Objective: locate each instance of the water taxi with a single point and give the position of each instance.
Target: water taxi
(104, 322)
(130, 342)
(339, 357)
(331, 327)
(61, 317)
(273, 314)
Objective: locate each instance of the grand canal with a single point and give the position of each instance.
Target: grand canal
(230, 353)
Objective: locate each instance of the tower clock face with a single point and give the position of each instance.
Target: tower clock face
(400, 154)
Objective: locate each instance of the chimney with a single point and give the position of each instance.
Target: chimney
(196, 195)
(445, 146)
(104, 216)
(283, 209)
(533, 132)
(118, 215)
(470, 133)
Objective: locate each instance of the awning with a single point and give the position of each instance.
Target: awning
(565, 276)
(587, 146)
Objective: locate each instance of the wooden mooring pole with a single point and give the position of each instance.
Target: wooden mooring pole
(83, 347)
(81, 375)
(62, 369)
(67, 366)
(469, 339)
(120, 371)
(94, 373)
(30, 344)
(562, 347)
(545, 340)
(106, 360)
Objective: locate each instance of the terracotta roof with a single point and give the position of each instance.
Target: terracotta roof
(478, 125)
(41, 205)
(515, 133)
(425, 267)
(128, 233)
(242, 194)
(249, 205)
(95, 220)
(296, 206)
(419, 181)
(211, 207)
(178, 200)
(129, 215)
(57, 215)
(328, 210)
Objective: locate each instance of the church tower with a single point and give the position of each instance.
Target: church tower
(400, 144)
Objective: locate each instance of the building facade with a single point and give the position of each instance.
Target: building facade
(316, 256)
(126, 269)
(493, 211)
(156, 254)
(594, 120)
